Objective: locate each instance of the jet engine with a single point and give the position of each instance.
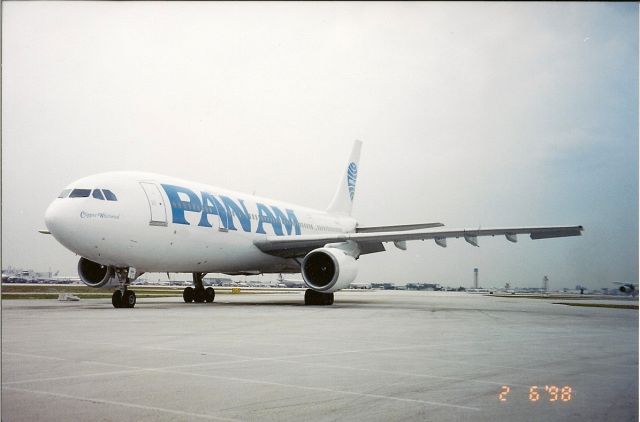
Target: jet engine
(96, 275)
(627, 288)
(328, 269)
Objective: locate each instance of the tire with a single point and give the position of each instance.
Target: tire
(209, 294)
(129, 299)
(308, 297)
(328, 299)
(116, 299)
(311, 297)
(188, 294)
(198, 296)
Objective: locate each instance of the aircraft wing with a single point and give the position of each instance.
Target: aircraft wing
(297, 246)
(402, 227)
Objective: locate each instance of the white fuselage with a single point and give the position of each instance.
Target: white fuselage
(163, 224)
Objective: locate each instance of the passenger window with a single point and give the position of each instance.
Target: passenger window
(97, 194)
(109, 195)
(64, 193)
(80, 193)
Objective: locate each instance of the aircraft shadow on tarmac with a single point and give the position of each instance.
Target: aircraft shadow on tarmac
(363, 304)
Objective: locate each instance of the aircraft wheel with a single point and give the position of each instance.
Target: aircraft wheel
(116, 299)
(311, 297)
(209, 294)
(308, 297)
(129, 299)
(328, 298)
(198, 296)
(188, 294)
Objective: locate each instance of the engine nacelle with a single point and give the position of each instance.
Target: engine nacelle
(328, 269)
(96, 275)
(627, 288)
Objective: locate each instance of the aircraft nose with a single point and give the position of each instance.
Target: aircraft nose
(54, 217)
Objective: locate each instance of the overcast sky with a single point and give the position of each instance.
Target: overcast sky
(488, 115)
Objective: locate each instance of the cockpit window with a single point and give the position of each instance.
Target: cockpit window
(109, 195)
(97, 194)
(64, 193)
(80, 193)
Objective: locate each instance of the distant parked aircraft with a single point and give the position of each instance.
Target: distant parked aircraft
(290, 283)
(630, 288)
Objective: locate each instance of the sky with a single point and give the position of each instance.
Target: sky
(473, 115)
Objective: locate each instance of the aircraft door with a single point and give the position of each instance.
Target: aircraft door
(156, 204)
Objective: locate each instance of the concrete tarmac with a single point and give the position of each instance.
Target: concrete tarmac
(372, 356)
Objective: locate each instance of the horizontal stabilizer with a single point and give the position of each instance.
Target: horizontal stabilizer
(44, 231)
(399, 228)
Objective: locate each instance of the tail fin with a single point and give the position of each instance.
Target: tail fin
(343, 199)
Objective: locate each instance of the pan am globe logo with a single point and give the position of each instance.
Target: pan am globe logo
(352, 174)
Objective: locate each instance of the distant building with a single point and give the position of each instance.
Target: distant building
(217, 281)
(384, 286)
(360, 286)
(423, 286)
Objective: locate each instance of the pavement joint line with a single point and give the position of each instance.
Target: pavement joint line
(242, 359)
(408, 347)
(235, 355)
(129, 370)
(119, 403)
(567, 343)
(134, 369)
(409, 374)
(66, 377)
(118, 365)
(33, 356)
(329, 351)
(305, 355)
(171, 369)
(528, 368)
(249, 358)
(167, 349)
(411, 347)
(323, 389)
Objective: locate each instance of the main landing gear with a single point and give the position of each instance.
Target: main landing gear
(198, 294)
(123, 298)
(311, 297)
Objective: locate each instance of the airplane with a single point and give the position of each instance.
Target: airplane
(289, 283)
(123, 224)
(630, 288)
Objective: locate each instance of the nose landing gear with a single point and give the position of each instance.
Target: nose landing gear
(126, 300)
(123, 298)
